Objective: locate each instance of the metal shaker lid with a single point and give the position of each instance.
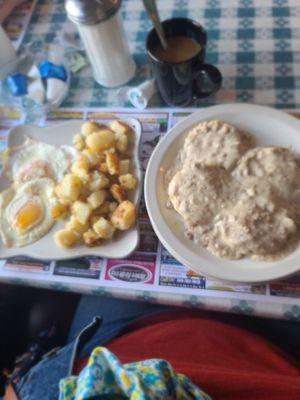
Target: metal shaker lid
(90, 12)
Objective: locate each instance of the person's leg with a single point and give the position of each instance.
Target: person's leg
(284, 334)
(281, 333)
(116, 314)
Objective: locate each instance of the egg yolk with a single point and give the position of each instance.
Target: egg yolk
(28, 215)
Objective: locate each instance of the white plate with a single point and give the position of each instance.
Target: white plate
(270, 127)
(123, 243)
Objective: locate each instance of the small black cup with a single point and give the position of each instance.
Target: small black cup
(181, 82)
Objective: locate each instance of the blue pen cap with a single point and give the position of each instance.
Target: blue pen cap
(49, 70)
(17, 84)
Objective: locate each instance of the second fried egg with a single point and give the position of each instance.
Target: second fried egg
(35, 160)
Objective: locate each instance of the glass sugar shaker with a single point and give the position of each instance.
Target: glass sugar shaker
(102, 33)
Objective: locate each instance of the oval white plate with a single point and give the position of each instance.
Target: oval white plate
(270, 127)
(121, 246)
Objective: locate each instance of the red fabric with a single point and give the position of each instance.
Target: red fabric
(224, 360)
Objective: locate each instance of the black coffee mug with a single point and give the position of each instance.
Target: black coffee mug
(181, 82)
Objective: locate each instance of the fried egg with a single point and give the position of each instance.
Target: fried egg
(25, 212)
(35, 160)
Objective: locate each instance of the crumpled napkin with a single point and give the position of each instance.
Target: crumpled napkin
(105, 376)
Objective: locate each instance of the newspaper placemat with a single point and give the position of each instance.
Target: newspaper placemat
(150, 273)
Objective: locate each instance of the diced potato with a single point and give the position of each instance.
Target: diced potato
(94, 218)
(119, 127)
(128, 181)
(69, 188)
(59, 211)
(101, 140)
(81, 211)
(78, 142)
(98, 181)
(110, 150)
(89, 127)
(101, 158)
(104, 208)
(85, 189)
(103, 167)
(118, 193)
(93, 158)
(121, 143)
(83, 161)
(112, 206)
(97, 198)
(81, 169)
(58, 194)
(74, 225)
(124, 167)
(124, 216)
(66, 238)
(104, 229)
(113, 163)
(90, 238)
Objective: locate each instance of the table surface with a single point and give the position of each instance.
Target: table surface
(256, 45)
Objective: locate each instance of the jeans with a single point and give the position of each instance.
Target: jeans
(116, 314)
(41, 382)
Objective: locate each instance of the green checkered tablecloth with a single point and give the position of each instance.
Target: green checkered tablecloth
(255, 43)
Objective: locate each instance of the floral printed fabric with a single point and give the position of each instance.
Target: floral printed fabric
(150, 379)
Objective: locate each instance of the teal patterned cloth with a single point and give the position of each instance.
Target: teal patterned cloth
(105, 377)
(255, 44)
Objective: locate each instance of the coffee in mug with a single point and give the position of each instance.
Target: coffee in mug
(180, 72)
(180, 48)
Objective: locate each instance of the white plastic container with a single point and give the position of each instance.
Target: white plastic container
(100, 27)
